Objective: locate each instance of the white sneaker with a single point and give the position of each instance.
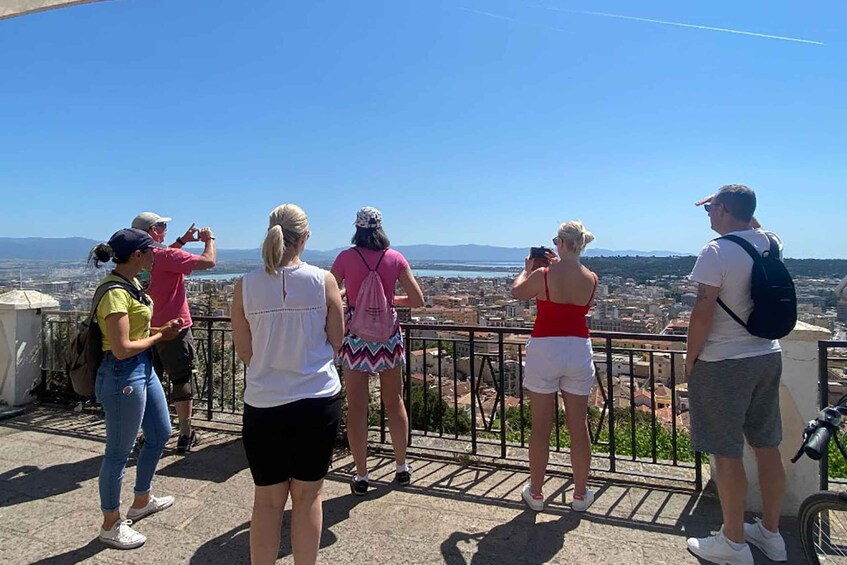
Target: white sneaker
(534, 501)
(121, 536)
(582, 505)
(716, 549)
(772, 546)
(153, 506)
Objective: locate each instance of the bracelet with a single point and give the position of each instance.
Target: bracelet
(211, 237)
(180, 241)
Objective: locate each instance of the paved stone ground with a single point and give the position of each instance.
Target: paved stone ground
(456, 514)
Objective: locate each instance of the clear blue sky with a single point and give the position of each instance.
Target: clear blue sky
(465, 121)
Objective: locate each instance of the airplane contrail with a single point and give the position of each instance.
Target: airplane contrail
(489, 14)
(680, 24)
(507, 18)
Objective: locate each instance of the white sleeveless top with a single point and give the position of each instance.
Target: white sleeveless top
(292, 357)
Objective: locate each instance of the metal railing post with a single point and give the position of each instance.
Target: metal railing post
(408, 372)
(610, 386)
(501, 358)
(823, 402)
(210, 383)
(474, 395)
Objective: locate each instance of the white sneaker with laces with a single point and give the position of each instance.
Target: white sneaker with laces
(773, 546)
(153, 505)
(582, 505)
(716, 549)
(121, 536)
(534, 501)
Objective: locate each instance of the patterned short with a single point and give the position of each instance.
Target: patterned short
(371, 356)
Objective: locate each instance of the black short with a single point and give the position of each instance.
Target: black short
(175, 358)
(292, 441)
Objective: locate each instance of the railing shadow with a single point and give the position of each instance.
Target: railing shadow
(60, 421)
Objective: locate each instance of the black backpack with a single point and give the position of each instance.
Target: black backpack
(774, 312)
(82, 356)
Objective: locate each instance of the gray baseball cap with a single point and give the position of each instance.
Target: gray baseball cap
(146, 220)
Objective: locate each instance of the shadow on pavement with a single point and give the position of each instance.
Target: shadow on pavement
(74, 556)
(216, 463)
(37, 483)
(524, 539)
(235, 544)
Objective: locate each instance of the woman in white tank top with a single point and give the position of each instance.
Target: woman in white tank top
(287, 325)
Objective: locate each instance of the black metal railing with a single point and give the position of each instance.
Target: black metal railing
(832, 356)
(464, 394)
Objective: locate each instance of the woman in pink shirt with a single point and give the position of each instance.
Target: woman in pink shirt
(361, 358)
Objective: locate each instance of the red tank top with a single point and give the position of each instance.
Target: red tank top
(556, 319)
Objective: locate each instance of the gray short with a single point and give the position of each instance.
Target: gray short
(733, 399)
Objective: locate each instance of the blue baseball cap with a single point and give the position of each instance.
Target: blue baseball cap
(129, 240)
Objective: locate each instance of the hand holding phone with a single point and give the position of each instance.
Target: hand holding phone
(539, 257)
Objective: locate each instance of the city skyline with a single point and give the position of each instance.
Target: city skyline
(475, 122)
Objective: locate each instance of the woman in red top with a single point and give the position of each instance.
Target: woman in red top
(559, 358)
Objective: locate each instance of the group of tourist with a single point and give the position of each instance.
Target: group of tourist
(291, 329)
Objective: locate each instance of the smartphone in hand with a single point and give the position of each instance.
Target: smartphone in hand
(539, 257)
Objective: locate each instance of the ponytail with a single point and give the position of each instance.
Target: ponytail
(286, 225)
(272, 249)
(101, 253)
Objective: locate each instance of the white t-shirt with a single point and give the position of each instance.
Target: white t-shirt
(725, 264)
(292, 356)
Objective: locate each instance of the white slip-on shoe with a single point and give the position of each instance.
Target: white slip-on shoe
(773, 546)
(534, 501)
(716, 549)
(154, 505)
(582, 505)
(121, 536)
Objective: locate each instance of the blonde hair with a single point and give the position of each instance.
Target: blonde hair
(574, 235)
(286, 225)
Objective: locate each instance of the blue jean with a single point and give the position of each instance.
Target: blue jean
(132, 398)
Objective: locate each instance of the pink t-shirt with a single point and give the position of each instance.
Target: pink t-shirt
(167, 284)
(352, 270)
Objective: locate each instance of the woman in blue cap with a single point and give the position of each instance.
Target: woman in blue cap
(126, 386)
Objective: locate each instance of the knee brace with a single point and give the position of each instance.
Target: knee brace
(181, 391)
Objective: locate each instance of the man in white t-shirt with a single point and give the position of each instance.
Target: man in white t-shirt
(733, 383)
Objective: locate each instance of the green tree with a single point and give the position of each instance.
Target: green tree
(434, 413)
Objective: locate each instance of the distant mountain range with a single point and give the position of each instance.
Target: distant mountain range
(77, 248)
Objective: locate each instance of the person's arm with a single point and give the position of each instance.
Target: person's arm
(414, 295)
(529, 283)
(339, 281)
(701, 323)
(841, 288)
(209, 257)
(334, 313)
(117, 332)
(189, 236)
(241, 336)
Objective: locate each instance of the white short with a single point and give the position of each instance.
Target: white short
(559, 363)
